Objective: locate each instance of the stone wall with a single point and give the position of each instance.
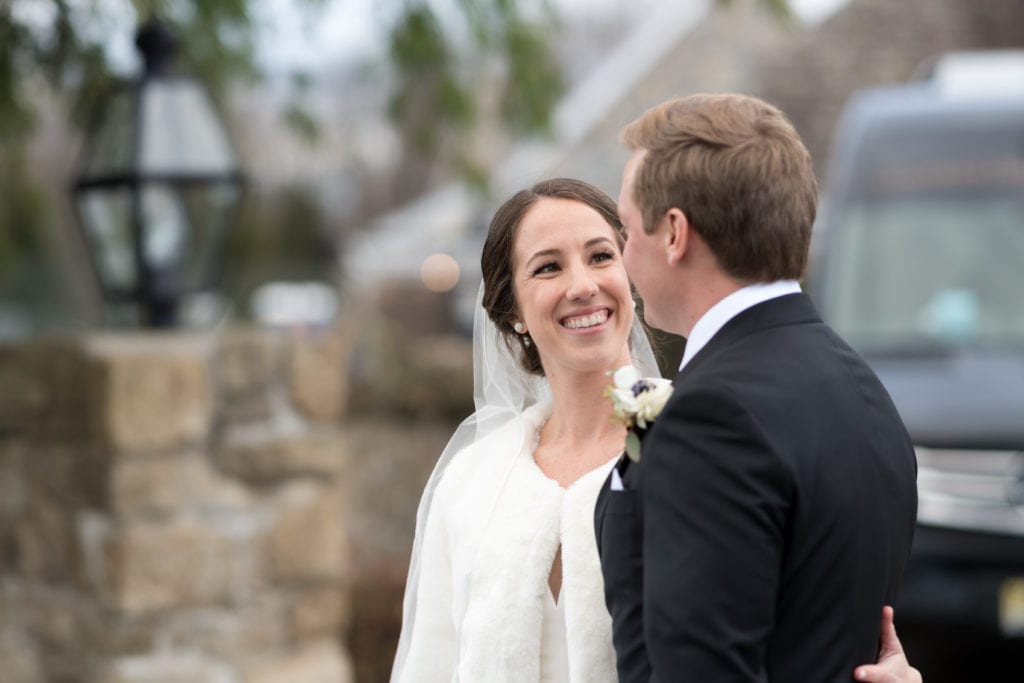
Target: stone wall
(225, 508)
(174, 508)
(412, 383)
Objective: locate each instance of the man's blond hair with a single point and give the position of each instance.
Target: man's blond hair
(735, 166)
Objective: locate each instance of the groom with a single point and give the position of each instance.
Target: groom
(770, 515)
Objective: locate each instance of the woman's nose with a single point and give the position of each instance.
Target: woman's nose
(582, 285)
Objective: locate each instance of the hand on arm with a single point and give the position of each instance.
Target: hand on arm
(892, 665)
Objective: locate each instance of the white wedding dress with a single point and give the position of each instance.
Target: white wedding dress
(554, 646)
(484, 607)
(478, 606)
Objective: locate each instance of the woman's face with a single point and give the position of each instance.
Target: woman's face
(571, 287)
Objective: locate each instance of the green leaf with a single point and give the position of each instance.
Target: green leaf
(632, 445)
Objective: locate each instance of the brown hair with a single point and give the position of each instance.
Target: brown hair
(736, 167)
(496, 260)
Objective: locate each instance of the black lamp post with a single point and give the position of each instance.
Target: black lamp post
(157, 188)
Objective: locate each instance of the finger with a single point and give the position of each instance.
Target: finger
(872, 673)
(890, 642)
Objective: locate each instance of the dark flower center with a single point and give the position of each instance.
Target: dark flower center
(640, 387)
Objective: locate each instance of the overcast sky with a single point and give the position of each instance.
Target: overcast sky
(293, 39)
(290, 38)
(351, 29)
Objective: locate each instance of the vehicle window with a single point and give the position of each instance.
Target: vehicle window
(930, 269)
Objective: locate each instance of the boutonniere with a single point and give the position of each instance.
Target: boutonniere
(636, 402)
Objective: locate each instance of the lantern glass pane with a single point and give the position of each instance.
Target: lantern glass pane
(185, 227)
(107, 218)
(181, 132)
(166, 226)
(210, 211)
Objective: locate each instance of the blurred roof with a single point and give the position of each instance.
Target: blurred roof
(396, 243)
(681, 48)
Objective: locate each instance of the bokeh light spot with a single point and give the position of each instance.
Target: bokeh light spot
(439, 272)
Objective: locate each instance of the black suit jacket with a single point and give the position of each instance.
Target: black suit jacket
(770, 516)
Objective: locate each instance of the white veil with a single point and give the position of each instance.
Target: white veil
(502, 390)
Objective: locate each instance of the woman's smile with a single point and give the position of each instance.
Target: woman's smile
(587, 321)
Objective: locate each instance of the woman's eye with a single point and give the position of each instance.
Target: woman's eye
(546, 268)
(602, 256)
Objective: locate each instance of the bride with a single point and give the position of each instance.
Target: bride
(505, 582)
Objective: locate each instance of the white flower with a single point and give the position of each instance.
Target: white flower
(636, 402)
(651, 400)
(625, 377)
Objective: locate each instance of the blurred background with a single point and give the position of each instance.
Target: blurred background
(239, 246)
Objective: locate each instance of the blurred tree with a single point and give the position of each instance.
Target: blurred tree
(283, 235)
(438, 70)
(63, 43)
(486, 62)
(439, 90)
(24, 275)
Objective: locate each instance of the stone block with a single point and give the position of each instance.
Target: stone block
(318, 373)
(42, 389)
(306, 540)
(320, 662)
(257, 454)
(155, 566)
(23, 391)
(248, 366)
(76, 475)
(167, 667)
(54, 483)
(210, 491)
(399, 376)
(319, 612)
(154, 486)
(376, 619)
(107, 635)
(13, 456)
(247, 360)
(150, 393)
(20, 660)
(391, 463)
(42, 487)
(232, 633)
(13, 499)
(43, 541)
(65, 628)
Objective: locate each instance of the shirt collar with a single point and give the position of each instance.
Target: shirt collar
(728, 308)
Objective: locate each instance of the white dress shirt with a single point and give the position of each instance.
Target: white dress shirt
(728, 308)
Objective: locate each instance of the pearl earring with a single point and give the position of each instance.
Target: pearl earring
(519, 328)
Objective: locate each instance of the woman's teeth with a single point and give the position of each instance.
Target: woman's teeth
(586, 320)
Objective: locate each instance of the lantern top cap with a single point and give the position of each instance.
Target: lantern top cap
(157, 45)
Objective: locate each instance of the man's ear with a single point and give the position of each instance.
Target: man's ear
(677, 235)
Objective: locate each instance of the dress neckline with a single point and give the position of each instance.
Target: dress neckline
(532, 461)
